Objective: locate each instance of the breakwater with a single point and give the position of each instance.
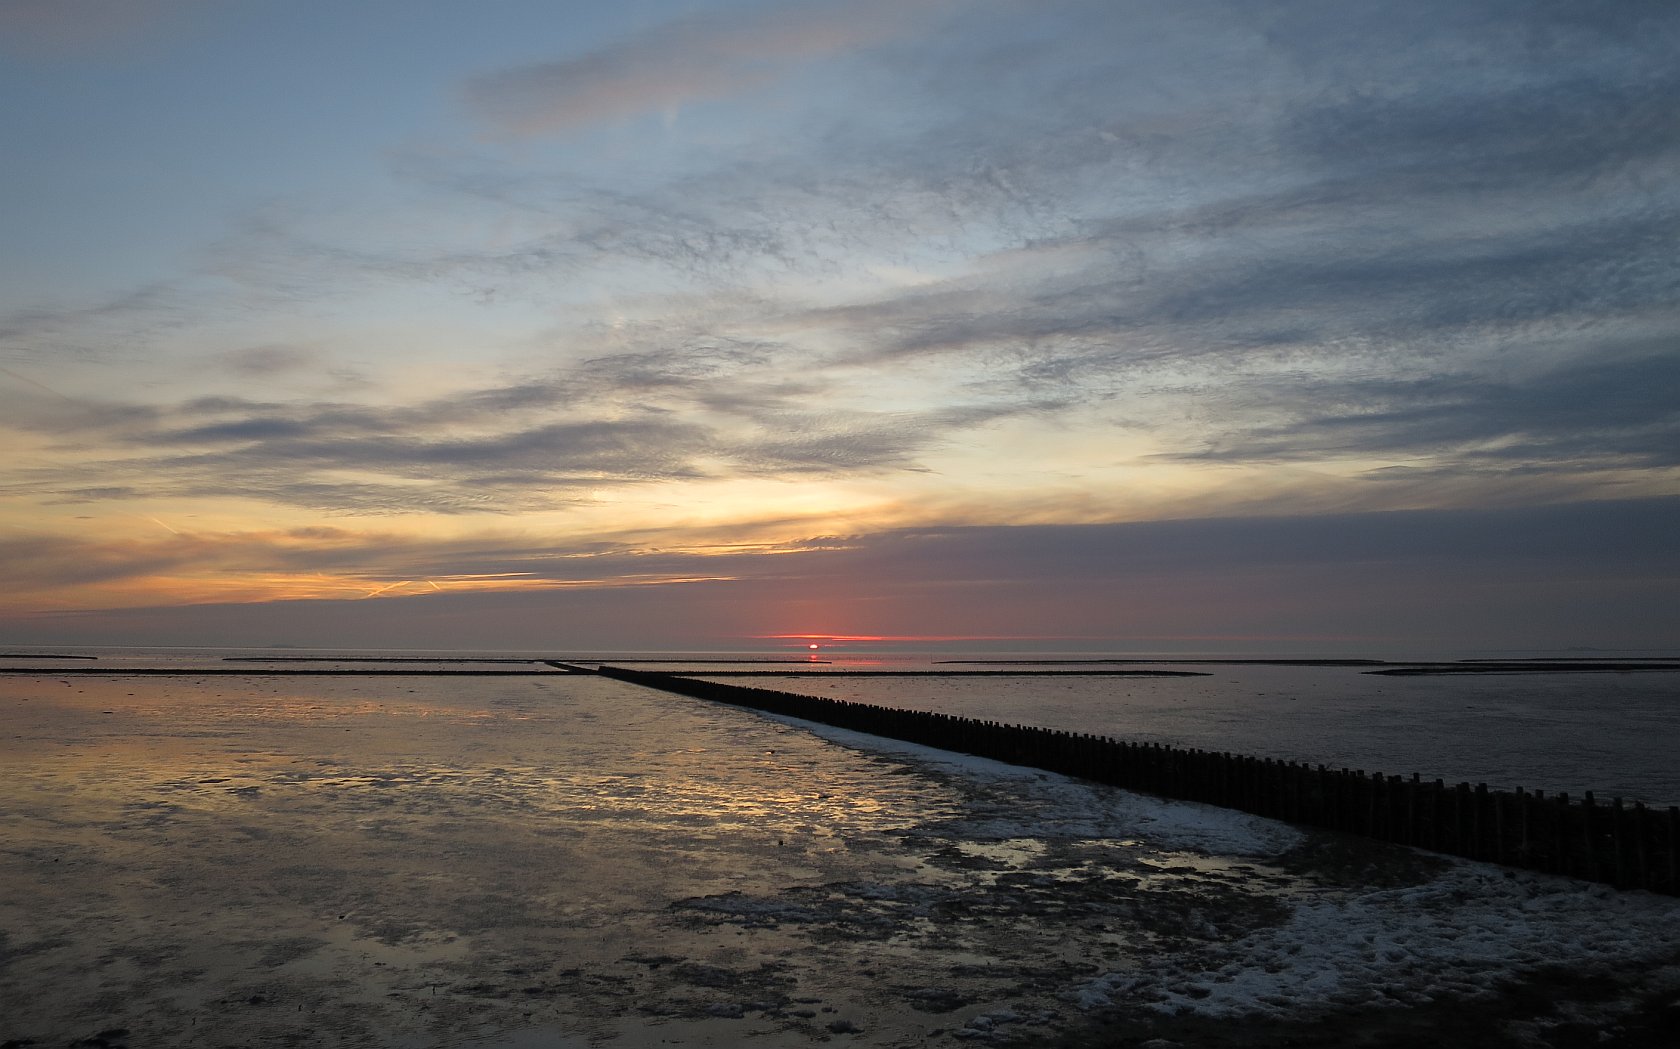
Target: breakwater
(1626, 845)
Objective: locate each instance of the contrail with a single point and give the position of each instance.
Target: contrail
(26, 380)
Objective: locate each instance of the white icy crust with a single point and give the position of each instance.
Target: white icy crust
(1056, 806)
(1461, 933)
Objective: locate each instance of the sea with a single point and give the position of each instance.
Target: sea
(491, 850)
(1613, 732)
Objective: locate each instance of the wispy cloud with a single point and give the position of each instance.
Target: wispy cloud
(257, 362)
(623, 420)
(1401, 576)
(1585, 415)
(673, 64)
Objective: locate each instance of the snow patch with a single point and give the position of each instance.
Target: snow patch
(1460, 934)
(1049, 805)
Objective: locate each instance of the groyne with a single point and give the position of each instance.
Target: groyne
(1630, 846)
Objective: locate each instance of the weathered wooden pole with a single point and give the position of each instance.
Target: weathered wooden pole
(1478, 825)
(1618, 841)
(1562, 815)
(1589, 832)
(1524, 845)
(1412, 810)
(1499, 848)
(1674, 850)
(1641, 847)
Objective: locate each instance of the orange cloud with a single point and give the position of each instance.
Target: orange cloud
(894, 638)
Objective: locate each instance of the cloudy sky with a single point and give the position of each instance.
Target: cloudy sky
(1244, 325)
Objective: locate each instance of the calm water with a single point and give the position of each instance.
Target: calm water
(1613, 733)
(1616, 734)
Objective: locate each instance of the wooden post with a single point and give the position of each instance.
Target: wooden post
(1373, 803)
(1478, 825)
(1674, 850)
(1304, 786)
(1499, 850)
(1560, 833)
(1589, 835)
(1641, 848)
(1412, 811)
(1384, 785)
(1524, 854)
(1672, 886)
(1381, 804)
(1548, 833)
(1396, 815)
(1461, 821)
(1368, 790)
(1618, 842)
(1436, 796)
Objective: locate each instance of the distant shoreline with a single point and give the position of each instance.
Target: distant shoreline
(275, 672)
(1185, 662)
(1526, 667)
(461, 666)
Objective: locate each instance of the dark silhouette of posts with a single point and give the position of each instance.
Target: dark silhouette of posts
(1627, 847)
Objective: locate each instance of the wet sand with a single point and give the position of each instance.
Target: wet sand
(572, 861)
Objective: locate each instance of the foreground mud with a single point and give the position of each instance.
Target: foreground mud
(575, 862)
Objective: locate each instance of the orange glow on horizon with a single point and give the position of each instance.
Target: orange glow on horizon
(843, 638)
(1130, 638)
(257, 587)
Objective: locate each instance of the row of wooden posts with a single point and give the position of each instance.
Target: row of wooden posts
(1629, 846)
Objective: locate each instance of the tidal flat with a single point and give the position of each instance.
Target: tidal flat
(566, 860)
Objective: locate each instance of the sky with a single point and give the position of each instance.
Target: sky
(1256, 325)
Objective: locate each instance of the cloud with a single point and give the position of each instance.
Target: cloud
(693, 59)
(817, 444)
(269, 360)
(1120, 216)
(187, 567)
(1259, 234)
(34, 563)
(1584, 415)
(133, 319)
(666, 369)
(616, 420)
(1615, 537)
(508, 471)
(1589, 573)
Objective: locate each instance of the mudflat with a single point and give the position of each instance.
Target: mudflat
(572, 861)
